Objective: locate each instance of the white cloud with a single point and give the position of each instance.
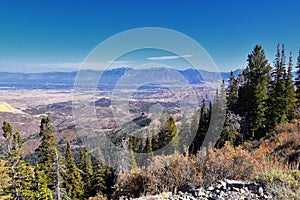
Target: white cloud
(168, 57)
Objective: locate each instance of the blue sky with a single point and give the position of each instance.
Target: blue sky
(58, 35)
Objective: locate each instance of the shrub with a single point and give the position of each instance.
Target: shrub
(173, 173)
(277, 149)
(98, 197)
(281, 183)
(286, 128)
(264, 161)
(131, 184)
(227, 163)
(165, 173)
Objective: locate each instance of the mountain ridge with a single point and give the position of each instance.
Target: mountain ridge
(65, 80)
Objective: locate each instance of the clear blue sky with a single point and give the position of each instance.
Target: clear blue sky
(53, 35)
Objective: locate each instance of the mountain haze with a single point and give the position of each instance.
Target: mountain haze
(66, 80)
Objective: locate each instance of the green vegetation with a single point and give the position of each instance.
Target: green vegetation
(54, 176)
(17, 170)
(257, 142)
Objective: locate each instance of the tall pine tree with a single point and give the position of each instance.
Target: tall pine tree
(50, 159)
(73, 180)
(47, 151)
(259, 79)
(290, 90)
(19, 172)
(253, 93)
(99, 179)
(232, 93)
(277, 103)
(203, 125)
(85, 165)
(184, 134)
(297, 82)
(40, 186)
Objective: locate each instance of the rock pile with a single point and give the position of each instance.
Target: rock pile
(222, 190)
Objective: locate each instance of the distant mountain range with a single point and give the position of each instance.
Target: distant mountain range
(65, 80)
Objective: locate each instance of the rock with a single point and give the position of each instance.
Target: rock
(242, 191)
(234, 183)
(213, 198)
(211, 188)
(253, 186)
(222, 190)
(200, 193)
(224, 185)
(169, 195)
(261, 191)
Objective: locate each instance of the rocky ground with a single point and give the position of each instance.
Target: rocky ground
(222, 190)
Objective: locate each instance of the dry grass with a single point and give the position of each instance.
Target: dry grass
(266, 161)
(228, 163)
(281, 183)
(166, 173)
(132, 184)
(174, 173)
(4, 107)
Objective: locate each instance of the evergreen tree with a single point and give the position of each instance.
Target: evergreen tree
(154, 140)
(47, 151)
(174, 134)
(290, 90)
(160, 138)
(283, 61)
(73, 180)
(230, 131)
(167, 134)
(58, 192)
(164, 118)
(297, 82)
(51, 161)
(148, 144)
(277, 103)
(232, 93)
(253, 94)
(216, 121)
(133, 160)
(202, 128)
(184, 133)
(245, 94)
(19, 172)
(85, 164)
(194, 127)
(40, 187)
(170, 135)
(259, 79)
(125, 157)
(99, 179)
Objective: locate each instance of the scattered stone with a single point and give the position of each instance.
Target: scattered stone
(224, 185)
(211, 188)
(242, 191)
(222, 190)
(261, 191)
(236, 184)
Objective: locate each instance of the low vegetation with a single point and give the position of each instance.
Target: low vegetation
(265, 163)
(259, 141)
